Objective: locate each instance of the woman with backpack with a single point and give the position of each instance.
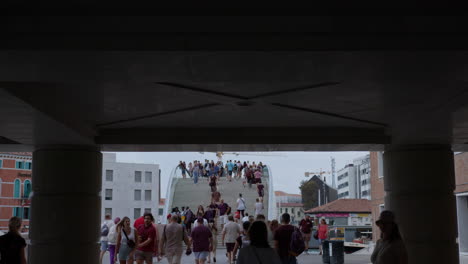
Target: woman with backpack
(127, 241)
(322, 233)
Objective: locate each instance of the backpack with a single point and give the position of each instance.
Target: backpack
(104, 230)
(296, 247)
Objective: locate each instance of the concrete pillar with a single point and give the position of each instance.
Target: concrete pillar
(419, 185)
(65, 207)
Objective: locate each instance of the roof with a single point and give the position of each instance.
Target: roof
(291, 205)
(16, 155)
(344, 206)
(281, 193)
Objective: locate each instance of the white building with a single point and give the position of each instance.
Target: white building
(129, 189)
(354, 179)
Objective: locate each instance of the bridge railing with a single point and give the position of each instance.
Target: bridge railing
(271, 195)
(173, 178)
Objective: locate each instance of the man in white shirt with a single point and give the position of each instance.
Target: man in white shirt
(105, 228)
(231, 231)
(245, 218)
(258, 207)
(241, 205)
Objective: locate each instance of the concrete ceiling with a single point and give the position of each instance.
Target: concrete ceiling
(233, 83)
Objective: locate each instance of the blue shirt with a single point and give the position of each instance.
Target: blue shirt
(230, 166)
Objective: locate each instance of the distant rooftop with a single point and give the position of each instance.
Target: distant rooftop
(344, 206)
(291, 205)
(281, 193)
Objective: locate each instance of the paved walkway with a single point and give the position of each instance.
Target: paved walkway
(303, 259)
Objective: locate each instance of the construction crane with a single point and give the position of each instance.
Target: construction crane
(320, 173)
(220, 154)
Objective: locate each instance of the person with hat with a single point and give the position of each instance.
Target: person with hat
(390, 248)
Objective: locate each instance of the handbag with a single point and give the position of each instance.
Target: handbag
(130, 243)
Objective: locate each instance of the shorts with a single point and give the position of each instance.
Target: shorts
(201, 254)
(230, 173)
(144, 255)
(124, 252)
(321, 241)
(230, 247)
(104, 245)
(306, 236)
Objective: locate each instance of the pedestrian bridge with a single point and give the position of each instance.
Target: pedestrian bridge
(183, 192)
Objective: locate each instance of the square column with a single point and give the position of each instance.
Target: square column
(419, 185)
(65, 206)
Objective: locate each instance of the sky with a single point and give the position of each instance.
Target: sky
(288, 168)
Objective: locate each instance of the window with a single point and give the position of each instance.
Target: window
(147, 195)
(108, 211)
(286, 210)
(137, 176)
(299, 214)
(136, 213)
(26, 189)
(17, 212)
(364, 182)
(148, 176)
(19, 165)
(343, 185)
(26, 213)
(108, 194)
(16, 190)
(292, 210)
(160, 211)
(28, 165)
(109, 175)
(147, 210)
(1, 163)
(381, 207)
(137, 195)
(365, 193)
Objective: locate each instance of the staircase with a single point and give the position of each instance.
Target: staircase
(186, 193)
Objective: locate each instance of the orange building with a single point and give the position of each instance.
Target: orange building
(15, 187)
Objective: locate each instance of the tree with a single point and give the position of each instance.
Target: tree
(309, 191)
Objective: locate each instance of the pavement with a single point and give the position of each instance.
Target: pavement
(302, 259)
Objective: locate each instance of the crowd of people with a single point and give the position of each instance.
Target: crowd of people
(252, 172)
(251, 240)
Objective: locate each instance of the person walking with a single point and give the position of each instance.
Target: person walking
(306, 227)
(148, 238)
(282, 239)
(112, 240)
(390, 248)
(214, 232)
(242, 240)
(105, 227)
(189, 218)
(213, 182)
(127, 241)
(322, 233)
(195, 172)
(230, 233)
(241, 205)
(259, 251)
(202, 242)
(230, 168)
(258, 207)
(171, 242)
(222, 208)
(12, 244)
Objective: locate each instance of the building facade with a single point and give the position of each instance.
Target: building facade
(129, 189)
(377, 189)
(461, 193)
(15, 188)
(295, 210)
(354, 179)
(289, 203)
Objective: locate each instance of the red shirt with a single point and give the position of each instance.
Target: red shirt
(323, 231)
(306, 226)
(146, 232)
(138, 222)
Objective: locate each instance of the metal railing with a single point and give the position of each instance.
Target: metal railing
(271, 196)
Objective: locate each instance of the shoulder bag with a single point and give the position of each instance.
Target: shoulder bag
(130, 243)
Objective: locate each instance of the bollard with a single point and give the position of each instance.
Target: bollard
(326, 252)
